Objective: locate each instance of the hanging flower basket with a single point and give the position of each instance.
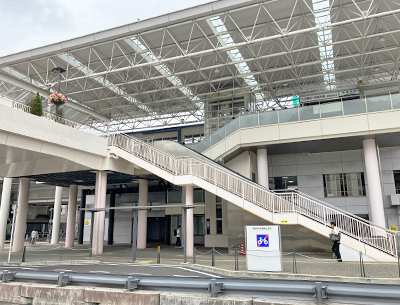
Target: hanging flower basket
(57, 98)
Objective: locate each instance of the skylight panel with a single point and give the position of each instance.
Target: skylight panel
(323, 17)
(218, 27)
(162, 68)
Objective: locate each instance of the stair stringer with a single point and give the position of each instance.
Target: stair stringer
(275, 218)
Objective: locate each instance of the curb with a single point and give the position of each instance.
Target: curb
(49, 263)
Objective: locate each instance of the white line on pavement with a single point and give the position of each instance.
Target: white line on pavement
(177, 275)
(192, 270)
(94, 271)
(63, 270)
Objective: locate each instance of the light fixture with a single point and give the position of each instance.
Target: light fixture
(216, 70)
(376, 69)
(114, 156)
(382, 39)
(285, 84)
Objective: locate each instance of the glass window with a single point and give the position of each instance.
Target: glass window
(253, 177)
(284, 183)
(218, 199)
(355, 185)
(397, 181)
(218, 211)
(174, 196)
(198, 195)
(348, 185)
(219, 226)
(333, 185)
(198, 224)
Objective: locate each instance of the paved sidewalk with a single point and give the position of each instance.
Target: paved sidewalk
(317, 264)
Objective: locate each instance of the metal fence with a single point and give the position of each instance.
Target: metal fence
(275, 202)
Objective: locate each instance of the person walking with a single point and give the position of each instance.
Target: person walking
(335, 237)
(178, 237)
(34, 236)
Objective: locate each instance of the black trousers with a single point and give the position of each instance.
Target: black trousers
(335, 249)
(178, 242)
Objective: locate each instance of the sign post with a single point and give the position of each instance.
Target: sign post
(263, 244)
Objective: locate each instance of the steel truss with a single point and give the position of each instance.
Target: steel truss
(162, 76)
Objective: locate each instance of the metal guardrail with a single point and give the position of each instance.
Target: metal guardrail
(240, 287)
(288, 202)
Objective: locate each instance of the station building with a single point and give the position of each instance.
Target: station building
(271, 102)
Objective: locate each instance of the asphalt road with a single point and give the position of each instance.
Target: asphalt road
(126, 269)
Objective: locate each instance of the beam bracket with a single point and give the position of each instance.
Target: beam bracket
(132, 283)
(63, 279)
(7, 276)
(215, 288)
(320, 289)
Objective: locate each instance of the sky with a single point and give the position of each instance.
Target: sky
(27, 24)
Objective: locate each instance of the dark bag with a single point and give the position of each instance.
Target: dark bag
(334, 237)
(175, 232)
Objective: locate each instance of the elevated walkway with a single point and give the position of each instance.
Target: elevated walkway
(181, 166)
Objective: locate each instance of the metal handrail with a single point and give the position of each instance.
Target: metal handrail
(274, 202)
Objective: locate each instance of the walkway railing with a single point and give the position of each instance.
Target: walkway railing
(387, 102)
(52, 117)
(275, 202)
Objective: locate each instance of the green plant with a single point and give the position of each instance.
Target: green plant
(36, 107)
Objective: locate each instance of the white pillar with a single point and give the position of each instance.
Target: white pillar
(374, 182)
(71, 218)
(99, 202)
(22, 214)
(142, 214)
(4, 209)
(189, 221)
(262, 167)
(55, 231)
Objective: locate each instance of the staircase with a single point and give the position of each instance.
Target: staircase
(283, 207)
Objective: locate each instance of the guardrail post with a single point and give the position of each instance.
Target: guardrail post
(131, 283)
(320, 292)
(212, 257)
(7, 276)
(158, 255)
(63, 279)
(294, 262)
(194, 255)
(215, 288)
(23, 255)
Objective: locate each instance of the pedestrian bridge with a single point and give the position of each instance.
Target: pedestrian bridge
(31, 145)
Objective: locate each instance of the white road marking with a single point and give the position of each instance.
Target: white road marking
(177, 275)
(63, 270)
(192, 270)
(139, 274)
(94, 271)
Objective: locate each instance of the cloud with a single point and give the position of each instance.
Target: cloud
(27, 24)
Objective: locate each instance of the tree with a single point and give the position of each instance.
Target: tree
(36, 107)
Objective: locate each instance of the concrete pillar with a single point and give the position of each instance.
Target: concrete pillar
(4, 209)
(374, 182)
(22, 214)
(55, 231)
(99, 202)
(189, 221)
(262, 167)
(142, 215)
(71, 218)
